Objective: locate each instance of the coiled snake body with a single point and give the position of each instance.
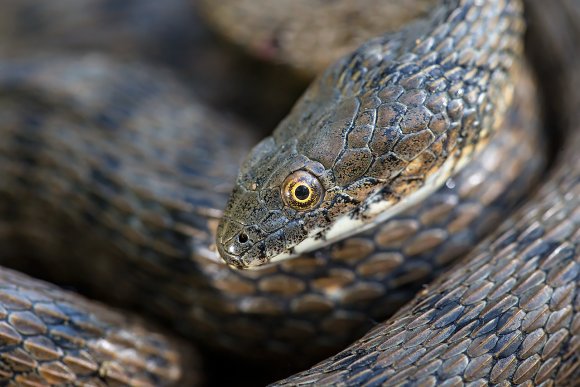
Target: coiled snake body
(114, 170)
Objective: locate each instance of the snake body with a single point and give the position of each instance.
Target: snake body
(115, 169)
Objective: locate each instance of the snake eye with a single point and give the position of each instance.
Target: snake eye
(302, 191)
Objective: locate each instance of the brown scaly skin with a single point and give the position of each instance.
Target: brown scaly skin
(375, 129)
(52, 337)
(148, 274)
(509, 313)
(321, 300)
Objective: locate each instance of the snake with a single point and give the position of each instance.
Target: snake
(395, 162)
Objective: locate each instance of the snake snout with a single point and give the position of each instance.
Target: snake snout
(243, 249)
(232, 242)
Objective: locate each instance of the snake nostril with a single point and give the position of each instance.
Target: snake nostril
(242, 238)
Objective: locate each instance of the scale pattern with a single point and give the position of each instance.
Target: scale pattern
(384, 126)
(508, 313)
(158, 236)
(151, 241)
(52, 337)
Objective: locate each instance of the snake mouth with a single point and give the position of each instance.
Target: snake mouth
(234, 252)
(251, 255)
(244, 246)
(229, 257)
(238, 262)
(232, 260)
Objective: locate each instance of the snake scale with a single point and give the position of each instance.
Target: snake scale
(114, 178)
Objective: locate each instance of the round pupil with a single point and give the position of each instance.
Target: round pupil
(302, 192)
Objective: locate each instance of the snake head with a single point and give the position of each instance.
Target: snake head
(279, 198)
(304, 186)
(328, 171)
(377, 133)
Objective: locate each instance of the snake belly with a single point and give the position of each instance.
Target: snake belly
(166, 244)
